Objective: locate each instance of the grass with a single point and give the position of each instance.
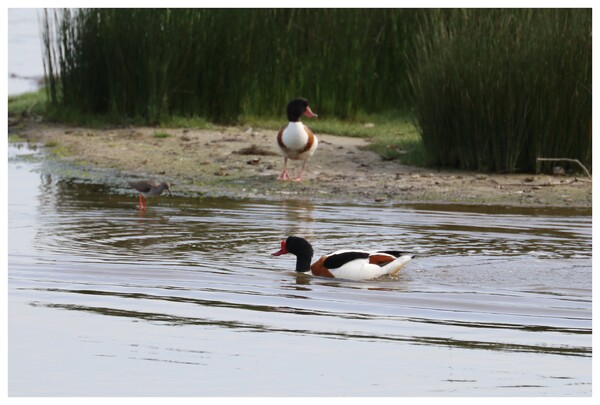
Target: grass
(27, 104)
(51, 144)
(57, 150)
(161, 134)
(36, 103)
(186, 122)
(16, 138)
(405, 147)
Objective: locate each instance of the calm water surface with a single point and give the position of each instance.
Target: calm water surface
(185, 299)
(25, 63)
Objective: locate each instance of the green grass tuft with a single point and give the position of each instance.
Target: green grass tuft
(27, 104)
(160, 134)
(51, 144)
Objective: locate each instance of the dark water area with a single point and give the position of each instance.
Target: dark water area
(186, 300)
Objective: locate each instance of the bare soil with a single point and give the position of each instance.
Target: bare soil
(244, 163)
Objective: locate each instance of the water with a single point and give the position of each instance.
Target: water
(25, 65)
(185, 299)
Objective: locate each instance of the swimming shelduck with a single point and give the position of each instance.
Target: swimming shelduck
(348, 264)
(296, 140)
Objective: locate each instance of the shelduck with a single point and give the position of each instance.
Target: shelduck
(347, 264)
(295, 140)
(149, 188)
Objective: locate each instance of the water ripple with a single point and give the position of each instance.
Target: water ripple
(485, 282)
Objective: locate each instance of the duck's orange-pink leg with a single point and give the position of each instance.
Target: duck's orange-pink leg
(284, 175)
(299, 178)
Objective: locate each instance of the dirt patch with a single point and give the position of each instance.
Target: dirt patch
(244, 163)
(256, 150)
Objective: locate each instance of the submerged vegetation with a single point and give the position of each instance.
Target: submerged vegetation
(487, 89)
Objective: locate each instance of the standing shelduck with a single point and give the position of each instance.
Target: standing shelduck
(348, 264)
(295, 140)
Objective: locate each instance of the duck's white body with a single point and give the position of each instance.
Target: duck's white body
(376, 264)
(296, 141)
(347, 264)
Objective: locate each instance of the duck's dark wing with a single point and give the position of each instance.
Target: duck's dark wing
(395, 253)
(336, 260)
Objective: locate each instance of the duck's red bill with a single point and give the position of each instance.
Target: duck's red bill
(281, 251)
(309, 113)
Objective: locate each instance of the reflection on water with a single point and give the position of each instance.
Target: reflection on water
(185, 299)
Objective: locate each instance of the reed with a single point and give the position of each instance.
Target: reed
(223, 63)
(494, 89)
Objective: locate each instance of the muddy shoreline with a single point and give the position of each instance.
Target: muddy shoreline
(243, 163)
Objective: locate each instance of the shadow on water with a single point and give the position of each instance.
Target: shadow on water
(498, 301)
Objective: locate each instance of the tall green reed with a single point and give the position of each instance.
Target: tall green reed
(495, 89)
(223, 63)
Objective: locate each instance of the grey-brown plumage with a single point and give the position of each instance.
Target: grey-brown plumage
(149, 188)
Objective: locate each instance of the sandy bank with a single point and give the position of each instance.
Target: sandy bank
(244, 163)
